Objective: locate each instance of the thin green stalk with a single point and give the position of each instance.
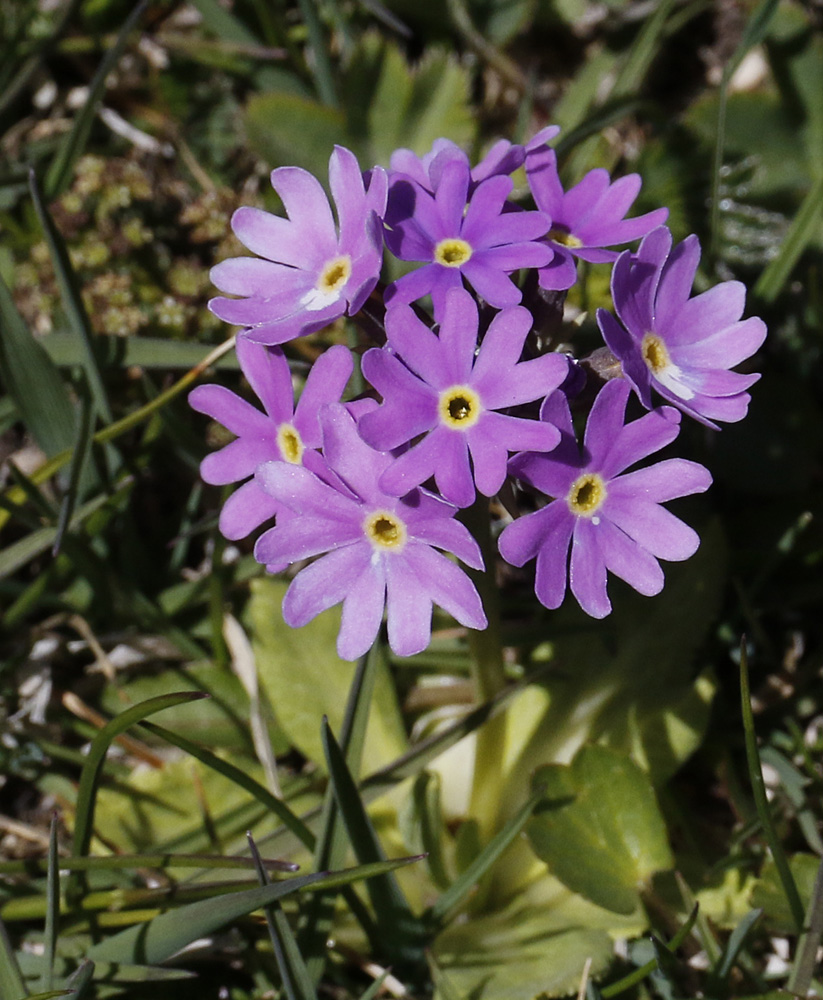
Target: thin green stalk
(761, 801)
(489, 679)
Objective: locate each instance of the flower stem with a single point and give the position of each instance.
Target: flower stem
(489, 680)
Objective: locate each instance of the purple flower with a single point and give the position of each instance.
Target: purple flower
(683, 347)
(612, 522)
(441, 390)
(586, 218)
(478, 241)
(284, 433)
(504, 157)
(308, 275)
(379, 550)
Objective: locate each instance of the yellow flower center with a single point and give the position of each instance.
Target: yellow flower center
(586, 495)
(654, 353)
(459, 407)
(385, 530)
(334, 275)
(290, 444)
(564, 238)
(452, 252)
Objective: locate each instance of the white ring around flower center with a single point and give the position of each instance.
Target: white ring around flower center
(385, 530)
(586, 495)
(290, 444)
(452, 252)
(459, 407)
(656, 356)
(330, 283)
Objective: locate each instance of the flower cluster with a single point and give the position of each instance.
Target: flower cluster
(464, 393)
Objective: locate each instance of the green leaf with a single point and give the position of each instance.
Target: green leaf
(769, 895)
(305, 679)
(517, 955)
(804, 228)
(400, 931)
(293, 972)
(288, 128)
(67, 349)
(471, 876)
(61, 168)
(52, 909)
(90, 776)
(11, 980)
(72, 299)
(33, 382)
(599, 828)
(158, 939)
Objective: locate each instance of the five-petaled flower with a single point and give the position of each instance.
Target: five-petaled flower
(681, 346)
(611, 519)
(457, 235)
(587, 218)
(306, 274)
(452, 396)
(376, 550)
(284, 433)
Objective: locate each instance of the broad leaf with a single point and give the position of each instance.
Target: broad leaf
(599, 828)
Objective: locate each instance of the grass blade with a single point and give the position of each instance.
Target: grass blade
(90, 776)
(401, 932)
(82, 450)
(760, 800)
(734, 944)
(633, 978)
(806, 958)
(11, 979)
(463, 885)
(803, 229)
(72, 300)
(32, 381)
(155, 941)
(80, 980)
(296, 980)
(35, 867)
(52, 911)
(60, 170)
(330, 846)
(289, 819)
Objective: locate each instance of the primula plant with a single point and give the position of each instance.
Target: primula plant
(475, 449)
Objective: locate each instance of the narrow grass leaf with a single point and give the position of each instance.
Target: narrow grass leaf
(49, 994)
(293, 972)
(80, 980)
(72, 300)
(320, 63)
(462, 886)
(401, 932)
(643, 50)
(11, 979)
(805, 961)
(736, 940)
(52, 911)
(32, 381)
(122, 426)
(80, 456)
(288, 818)
(62, 166)
(90, 776)
(760, 800)
(375, 987)
(67, 349)
(19, 553)
(630, 981)
(330, 846)
(36, 867)
(157, 940)
(803, 230)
